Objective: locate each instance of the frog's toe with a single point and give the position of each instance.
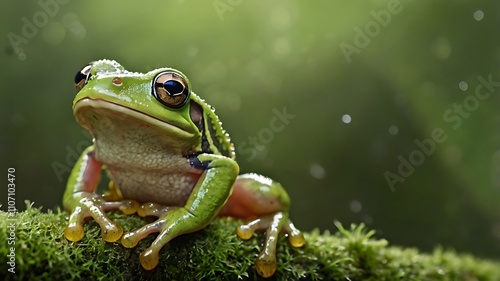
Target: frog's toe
(295, 237)
(110, 231)
(153, 209)
(245, 231)
(74, 231)
(128, 207)
(265, 265)
(97, 208)
(130, 239)
(149, 258)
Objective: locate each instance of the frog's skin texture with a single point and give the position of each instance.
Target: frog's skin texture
(167, 156)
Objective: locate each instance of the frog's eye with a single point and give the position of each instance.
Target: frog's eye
(82, 77)
(170, 89)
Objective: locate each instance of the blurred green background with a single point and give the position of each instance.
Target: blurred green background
(366, 82)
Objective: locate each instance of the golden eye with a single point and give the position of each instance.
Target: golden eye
(170, 89)
(82, 77)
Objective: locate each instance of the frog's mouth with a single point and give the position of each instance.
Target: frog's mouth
(100, 114)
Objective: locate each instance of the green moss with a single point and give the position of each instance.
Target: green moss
(216, 253)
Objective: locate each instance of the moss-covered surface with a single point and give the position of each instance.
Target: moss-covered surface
(216, 253)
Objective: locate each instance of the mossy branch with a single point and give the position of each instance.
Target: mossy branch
(216, 253)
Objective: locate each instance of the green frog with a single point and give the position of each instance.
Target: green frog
(167, 156)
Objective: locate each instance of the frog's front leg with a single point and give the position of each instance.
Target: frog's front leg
(204, 203)
(81, 201)
(265, 203)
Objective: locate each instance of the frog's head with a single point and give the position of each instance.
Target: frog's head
(112, 100)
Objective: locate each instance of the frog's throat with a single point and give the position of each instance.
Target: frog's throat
(178, 130)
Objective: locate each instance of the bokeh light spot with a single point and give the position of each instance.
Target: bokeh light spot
(478, 15)
(355, 206)
(441, 48)
(53, 33)
(463, 86)
(317, 171)
(346, 118)
(393, 130)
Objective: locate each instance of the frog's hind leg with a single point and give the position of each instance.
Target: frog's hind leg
(265, 203)
(205, 201)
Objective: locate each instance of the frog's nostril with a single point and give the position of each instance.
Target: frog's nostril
(173, 88)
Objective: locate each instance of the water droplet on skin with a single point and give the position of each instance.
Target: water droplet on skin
(317, 171)
(346, 118)
(463, 86)
(478, 15)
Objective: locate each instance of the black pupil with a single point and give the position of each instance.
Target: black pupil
(79, 77)
(173, 87)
